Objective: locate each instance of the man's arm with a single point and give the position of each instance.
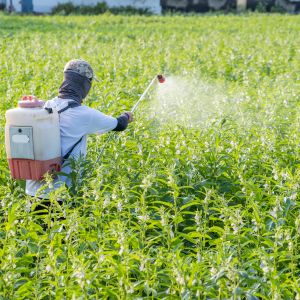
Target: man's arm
(101, 123)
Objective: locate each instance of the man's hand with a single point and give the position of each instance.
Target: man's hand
(130, 116)
(123, 121)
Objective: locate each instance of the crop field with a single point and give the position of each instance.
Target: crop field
(199, 198)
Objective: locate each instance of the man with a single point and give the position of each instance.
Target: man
(76, 121)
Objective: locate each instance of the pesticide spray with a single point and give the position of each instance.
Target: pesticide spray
(190, 102)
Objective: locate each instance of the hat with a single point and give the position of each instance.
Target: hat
(80, 67)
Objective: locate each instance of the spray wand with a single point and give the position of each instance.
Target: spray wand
(161, 79)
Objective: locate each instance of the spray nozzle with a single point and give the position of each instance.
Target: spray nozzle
(161, 78)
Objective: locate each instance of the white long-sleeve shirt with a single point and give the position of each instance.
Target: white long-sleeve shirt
(74, 123)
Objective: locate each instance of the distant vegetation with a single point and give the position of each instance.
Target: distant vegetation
(98, 9)
(69, 8)
(261, 6)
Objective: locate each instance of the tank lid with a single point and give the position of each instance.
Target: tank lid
(30, 102)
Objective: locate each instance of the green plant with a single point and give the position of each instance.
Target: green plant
(64, 8)
(198, 200)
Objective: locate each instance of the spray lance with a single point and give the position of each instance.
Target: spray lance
(161, 79)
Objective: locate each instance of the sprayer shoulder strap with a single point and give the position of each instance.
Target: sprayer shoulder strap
(65, 157)
(71, 104)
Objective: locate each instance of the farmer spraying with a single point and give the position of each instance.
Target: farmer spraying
(76, 121)
(40, 137)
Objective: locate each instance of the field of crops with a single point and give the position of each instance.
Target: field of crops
(199, 199)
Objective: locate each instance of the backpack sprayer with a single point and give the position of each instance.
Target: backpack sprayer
(32, 140)
(161, 79)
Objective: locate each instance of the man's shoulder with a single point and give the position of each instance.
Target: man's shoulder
(89, 110)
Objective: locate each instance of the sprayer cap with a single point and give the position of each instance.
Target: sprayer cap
(30, 102)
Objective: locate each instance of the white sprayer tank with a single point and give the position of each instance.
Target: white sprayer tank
(32, 140)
